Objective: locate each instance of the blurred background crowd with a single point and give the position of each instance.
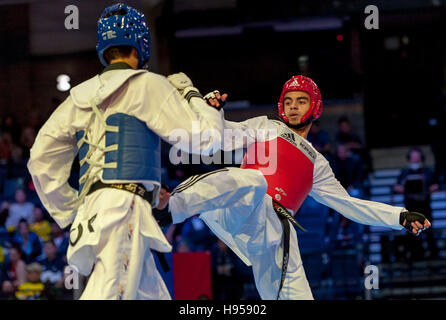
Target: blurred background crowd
(384, 95)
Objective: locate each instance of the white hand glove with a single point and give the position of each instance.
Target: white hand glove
(180, 81)
(211, 95)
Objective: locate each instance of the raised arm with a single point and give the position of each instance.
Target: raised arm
(238, 135)
(242, 134)
(182, 119)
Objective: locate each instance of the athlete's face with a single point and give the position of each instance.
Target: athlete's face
(296, 104)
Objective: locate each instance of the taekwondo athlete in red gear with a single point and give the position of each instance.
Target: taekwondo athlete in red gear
(115, 121)
(250, 208)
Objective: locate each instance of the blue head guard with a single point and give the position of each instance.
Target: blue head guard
(121, 25)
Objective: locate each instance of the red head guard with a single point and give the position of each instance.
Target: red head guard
(301, 83)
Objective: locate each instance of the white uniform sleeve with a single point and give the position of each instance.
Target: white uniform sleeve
(50, 162)
(239, 135)
(195, 128)
(328, 191)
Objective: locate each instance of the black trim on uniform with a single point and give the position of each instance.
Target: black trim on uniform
(191, 94)
(194, 179)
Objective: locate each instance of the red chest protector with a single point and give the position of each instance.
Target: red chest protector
(287, 164)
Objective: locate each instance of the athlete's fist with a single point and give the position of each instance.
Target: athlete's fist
(414, 222)
(160, 213)
(180, 81)
(215, 99)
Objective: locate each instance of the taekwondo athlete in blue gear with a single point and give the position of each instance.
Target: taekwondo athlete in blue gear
(115, 121)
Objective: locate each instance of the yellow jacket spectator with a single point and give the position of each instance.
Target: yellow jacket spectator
(40, 226)
(2, 255)
(33, 288)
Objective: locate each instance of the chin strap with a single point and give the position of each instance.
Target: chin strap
(300, 125)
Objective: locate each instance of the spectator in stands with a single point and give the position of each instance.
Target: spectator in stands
(5, 237)
(10, 125)
(12, 161)
(40, 226)
(13, 272)
(20, 209)
(347, 137)
(226, 282)
(61, 240)
(6, 147)
(29, 242)
(417, 182)
(2, 255)
(320, 139)
(348, 169)
(33, 288)
(52, 265)
(4, 159)
(17, 165)
(180, 244)
(27, 139)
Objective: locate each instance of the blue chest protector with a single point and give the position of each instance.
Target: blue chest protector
(132, 152)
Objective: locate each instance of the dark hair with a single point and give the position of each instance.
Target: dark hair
(117, 52)
(415, 149)
(17, 247)
(23, 220)
(46, 215)
(120, 12)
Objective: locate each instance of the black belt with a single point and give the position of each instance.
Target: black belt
(284, 216)
(135, 188)
(138, 189)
